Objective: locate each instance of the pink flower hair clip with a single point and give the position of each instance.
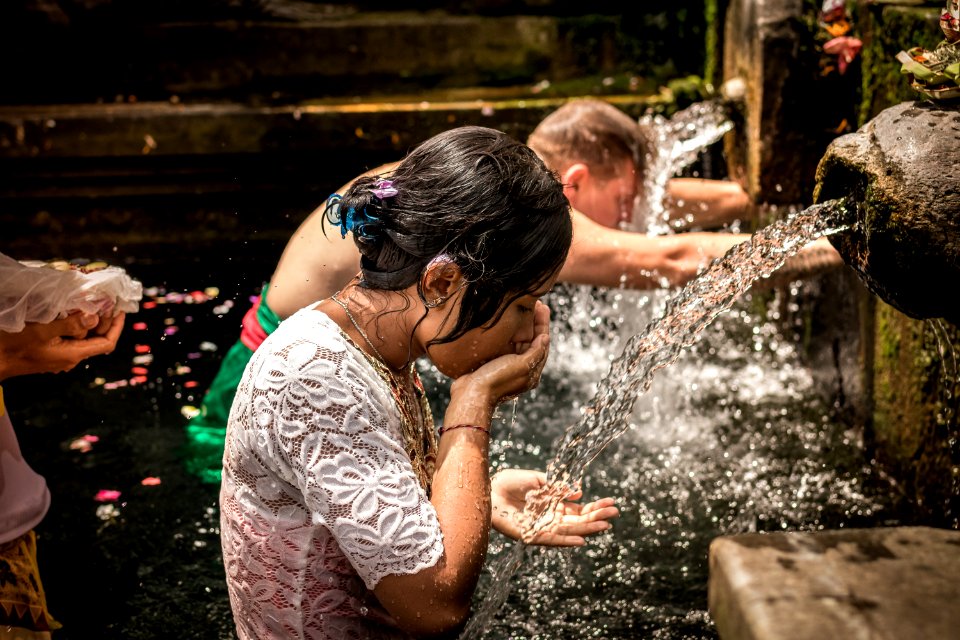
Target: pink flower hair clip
(384, 189)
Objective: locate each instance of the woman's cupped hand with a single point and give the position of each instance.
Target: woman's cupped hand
(512, 374)
(555, 517)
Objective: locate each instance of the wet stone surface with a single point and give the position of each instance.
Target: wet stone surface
(897, 582)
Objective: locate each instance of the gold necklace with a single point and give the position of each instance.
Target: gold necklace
(416, 419)
(353, 321)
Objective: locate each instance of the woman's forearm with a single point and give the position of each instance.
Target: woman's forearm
(461, 498)
(461, 485)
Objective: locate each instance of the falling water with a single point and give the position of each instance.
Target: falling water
(596, 320)
(674, 144)
(948, 356)
(948, 426)
(687, 314)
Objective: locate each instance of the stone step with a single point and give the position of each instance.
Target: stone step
(897, 583)
(361, 53)
(144, 178)
(337, 54)
(91, 150)
(147, 122)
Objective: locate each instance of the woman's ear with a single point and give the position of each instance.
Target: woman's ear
(441, 279)
(572, 178)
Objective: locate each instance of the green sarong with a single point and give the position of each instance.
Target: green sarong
(206, 431)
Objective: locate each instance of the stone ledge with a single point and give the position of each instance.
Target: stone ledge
(164, 129)
(80, 179)
(886, 583)
(64, 151)
(336, 56)
(458, 49)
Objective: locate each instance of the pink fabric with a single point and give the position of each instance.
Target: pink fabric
(252, 334)
(24, 497)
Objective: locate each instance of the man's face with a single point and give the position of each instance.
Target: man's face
(607, 202)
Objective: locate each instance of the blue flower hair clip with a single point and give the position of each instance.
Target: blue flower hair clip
(348, 222)
(335, 216)
(361, 223)
(384, 189)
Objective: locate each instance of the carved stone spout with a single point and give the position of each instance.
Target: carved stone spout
(902, 170)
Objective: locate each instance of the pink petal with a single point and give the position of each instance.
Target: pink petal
(106, 495)
(81, 445)
(150, 481)
(834, 46)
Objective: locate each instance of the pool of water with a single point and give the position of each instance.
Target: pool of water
(742, 434)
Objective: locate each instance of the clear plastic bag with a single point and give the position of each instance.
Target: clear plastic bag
(33, 291)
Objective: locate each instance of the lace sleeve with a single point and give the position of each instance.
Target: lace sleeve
(335, 430)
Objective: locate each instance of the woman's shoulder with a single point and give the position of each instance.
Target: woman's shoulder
(310, 324)
(310, 314)
(310, 334)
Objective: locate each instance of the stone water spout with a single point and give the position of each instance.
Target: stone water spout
(902, 169)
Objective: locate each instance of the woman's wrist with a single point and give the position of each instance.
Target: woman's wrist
(469, 404)
(469, 427)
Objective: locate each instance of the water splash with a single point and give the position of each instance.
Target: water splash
(675, 143)
(630, 375)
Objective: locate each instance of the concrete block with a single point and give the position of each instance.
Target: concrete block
(895, 583)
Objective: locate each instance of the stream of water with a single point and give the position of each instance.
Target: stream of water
(675, 143)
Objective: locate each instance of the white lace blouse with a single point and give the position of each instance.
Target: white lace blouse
(319, 500)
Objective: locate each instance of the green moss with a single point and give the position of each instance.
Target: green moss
(619, 84)
(687, 90)
(915, 416)
(898, 405)
(714, 30)
(893, 29)
(913, 381)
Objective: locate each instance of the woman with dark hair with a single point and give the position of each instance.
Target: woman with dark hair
(343, 515)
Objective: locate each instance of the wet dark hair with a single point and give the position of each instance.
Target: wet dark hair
(593, 132)
(475, 195)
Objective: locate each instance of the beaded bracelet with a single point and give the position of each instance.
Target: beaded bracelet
(443, 430)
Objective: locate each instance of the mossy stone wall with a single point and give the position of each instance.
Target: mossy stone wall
(888, 29)
(915, 394)
(913, 363)
(286, 50)
(907, 395)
